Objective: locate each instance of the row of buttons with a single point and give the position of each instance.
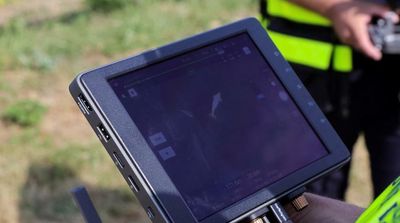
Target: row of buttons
(118, 162)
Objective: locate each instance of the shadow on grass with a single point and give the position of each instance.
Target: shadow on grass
(45, 197)
(66, 18)
(18, 23)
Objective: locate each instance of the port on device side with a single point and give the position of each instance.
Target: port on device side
(103, 131)
(84, 104)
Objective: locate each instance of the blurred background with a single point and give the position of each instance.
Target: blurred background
(46, 146)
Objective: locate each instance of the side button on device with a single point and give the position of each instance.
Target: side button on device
(150, 213)
(132, 184)
(118, 161)
(300, 202)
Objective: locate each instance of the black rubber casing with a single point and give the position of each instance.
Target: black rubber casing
(157, 193)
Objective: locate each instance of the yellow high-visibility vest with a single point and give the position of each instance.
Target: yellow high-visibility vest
(309, 52)
(385, 208)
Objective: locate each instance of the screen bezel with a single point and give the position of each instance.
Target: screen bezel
(96, 84)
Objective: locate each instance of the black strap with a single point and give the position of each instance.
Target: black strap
(263, 9)
(314, 32)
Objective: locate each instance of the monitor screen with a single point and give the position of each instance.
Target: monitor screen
(219, 121)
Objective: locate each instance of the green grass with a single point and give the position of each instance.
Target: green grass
(25, 113)
(46, 152)
(108, 5)
(137, 26)
(4, 2)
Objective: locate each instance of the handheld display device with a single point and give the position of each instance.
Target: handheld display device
(212, 128)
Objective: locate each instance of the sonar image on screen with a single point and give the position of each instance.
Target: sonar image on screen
(219, 121)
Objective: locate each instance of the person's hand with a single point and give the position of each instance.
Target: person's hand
(350, 20)
(323, 209)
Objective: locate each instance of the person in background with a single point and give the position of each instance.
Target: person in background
(357, 87)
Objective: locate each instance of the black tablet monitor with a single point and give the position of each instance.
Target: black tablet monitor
(211, 128)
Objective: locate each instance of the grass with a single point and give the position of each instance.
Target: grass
(107, 5)
(4, 2)
(24, 113)
(137, 26)
(44, 154)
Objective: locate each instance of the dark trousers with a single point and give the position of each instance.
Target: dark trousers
(365, 101)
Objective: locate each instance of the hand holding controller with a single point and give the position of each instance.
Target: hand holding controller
(385, 34)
